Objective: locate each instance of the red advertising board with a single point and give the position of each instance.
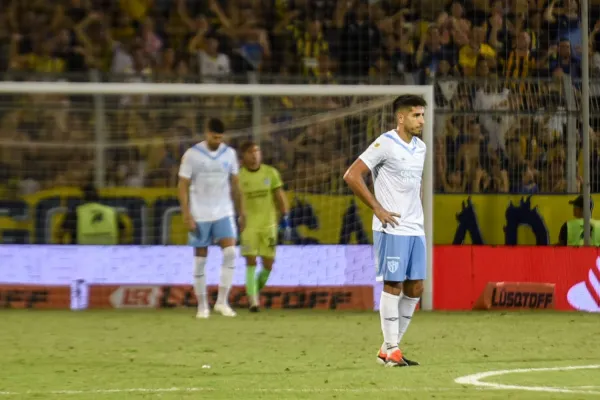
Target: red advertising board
(462, 273)
(35, 296)
(280, 297)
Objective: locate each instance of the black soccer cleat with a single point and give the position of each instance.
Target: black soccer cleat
(410, 363)
(254, 309)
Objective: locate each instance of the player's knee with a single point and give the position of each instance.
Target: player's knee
(267, 263)
(391, 287)
(250, 260)
(413, 289)
(227, 242)
(229, 256)
(201, 252)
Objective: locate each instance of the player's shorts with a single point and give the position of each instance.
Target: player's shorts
(259, 242)
(209, 232)
(399, 258)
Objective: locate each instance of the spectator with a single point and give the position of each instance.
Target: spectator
(469, 53)
(212, 64)
(477, 55)
(92, 222)
(360, 38)
(562, 59)
(310, 46)
(431, 52)
(572, 232)
(521, 62)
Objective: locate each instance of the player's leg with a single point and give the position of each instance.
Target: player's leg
(224, 231)
(265, 272)
(249, 247)
(412, 289)
(390, 255)
(200, 241)
(267, 250)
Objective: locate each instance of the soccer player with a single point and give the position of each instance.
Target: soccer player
(263, 191)
(395, 160)
(208, 179)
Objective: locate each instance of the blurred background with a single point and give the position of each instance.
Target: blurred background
(506, 75)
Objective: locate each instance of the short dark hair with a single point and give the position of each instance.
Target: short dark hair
(247, 145)
(215, 125)
(408, 101)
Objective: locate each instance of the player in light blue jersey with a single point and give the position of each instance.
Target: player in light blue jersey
(395, 160)
(210, 197)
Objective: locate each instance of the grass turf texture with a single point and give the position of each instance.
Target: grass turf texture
(287, 354)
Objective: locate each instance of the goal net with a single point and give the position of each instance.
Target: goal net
(128, 140)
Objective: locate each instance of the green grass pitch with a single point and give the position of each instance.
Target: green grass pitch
(289, 355)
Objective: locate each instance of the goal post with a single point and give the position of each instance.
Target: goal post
(378, 98)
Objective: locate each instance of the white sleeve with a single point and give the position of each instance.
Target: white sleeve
(375, 154)
(235, 166)
(185, 168)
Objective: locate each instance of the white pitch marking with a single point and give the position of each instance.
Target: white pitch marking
(475, 380)
(205, 389)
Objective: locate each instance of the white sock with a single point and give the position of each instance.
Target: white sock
(200, 282)
(227, 270)
(388, 312)
(406, 309)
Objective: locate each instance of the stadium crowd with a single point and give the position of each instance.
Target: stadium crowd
(499, 70)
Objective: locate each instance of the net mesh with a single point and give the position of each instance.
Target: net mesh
(506, 77)
(310, 140)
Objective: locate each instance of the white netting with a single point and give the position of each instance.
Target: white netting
(51, 145)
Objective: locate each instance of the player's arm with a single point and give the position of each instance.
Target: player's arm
(238, 201)
(284, 208)
(278, 193)
(236, 191)
(183, 191)
(355, 178)
(282, 201)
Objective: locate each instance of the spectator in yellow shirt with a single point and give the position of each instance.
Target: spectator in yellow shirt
(136, 9)
(44, 61)
(468, 54)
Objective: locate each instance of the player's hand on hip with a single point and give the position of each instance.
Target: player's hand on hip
(190, 223)
(386, 217)
(241, 222)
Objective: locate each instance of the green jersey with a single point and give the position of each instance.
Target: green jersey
(258, 188)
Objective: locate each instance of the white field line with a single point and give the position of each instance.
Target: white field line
(245, 390)
(475, 380)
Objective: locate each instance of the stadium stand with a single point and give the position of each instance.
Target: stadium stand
(503, 73)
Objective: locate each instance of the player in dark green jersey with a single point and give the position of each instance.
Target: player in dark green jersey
(263, 193)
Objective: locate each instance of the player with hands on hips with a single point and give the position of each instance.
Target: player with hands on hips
(395, 160)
